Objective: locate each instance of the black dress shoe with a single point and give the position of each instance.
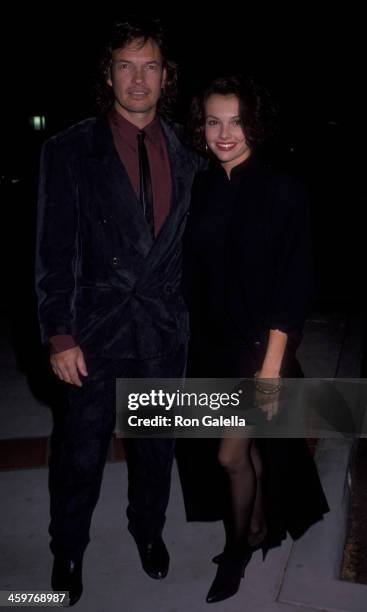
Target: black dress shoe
(154, 557)
(228, 577)
(67, 576)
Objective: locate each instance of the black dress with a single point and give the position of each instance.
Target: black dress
(247, 269)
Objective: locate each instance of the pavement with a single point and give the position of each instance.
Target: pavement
(302, 576)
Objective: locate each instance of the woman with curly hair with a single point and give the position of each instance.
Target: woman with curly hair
(247, 282)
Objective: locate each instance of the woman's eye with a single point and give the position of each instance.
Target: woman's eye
(237, 122)
(212, 122)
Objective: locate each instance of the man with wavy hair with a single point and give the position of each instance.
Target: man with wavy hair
(114, 195)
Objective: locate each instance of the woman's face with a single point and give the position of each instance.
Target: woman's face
(224, 133)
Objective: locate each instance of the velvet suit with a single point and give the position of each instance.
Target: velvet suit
(104, 280)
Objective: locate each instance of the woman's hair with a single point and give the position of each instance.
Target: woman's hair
(121, 35)
(256, 110)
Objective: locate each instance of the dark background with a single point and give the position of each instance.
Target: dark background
(311, 62)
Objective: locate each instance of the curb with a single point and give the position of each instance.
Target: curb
(312, 575)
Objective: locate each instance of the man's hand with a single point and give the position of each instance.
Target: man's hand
(68, 365)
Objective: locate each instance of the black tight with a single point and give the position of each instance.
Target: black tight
(244, 521)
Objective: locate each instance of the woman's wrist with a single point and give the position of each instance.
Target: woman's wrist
(268, 373)
(267, 384)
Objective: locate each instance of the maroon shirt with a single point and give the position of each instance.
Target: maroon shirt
(126, 142)
(125, 136)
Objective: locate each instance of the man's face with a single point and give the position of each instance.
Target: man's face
(136, 77)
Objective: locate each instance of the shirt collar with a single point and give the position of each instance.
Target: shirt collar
(129, 130)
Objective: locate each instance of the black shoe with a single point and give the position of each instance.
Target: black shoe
(67, 576)
(154, 557)
(262, 546)
(228, 577)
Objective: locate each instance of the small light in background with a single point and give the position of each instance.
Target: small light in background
(38, 122)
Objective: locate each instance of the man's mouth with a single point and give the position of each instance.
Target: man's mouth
(138, 93)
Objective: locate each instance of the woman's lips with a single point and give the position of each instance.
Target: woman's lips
(225, 146)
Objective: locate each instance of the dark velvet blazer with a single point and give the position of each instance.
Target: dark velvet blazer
(100, 276)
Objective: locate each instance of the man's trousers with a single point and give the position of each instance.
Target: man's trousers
(79, 446)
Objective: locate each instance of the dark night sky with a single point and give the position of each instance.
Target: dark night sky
(310, 59)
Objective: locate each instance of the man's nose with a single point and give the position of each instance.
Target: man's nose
(138, 74)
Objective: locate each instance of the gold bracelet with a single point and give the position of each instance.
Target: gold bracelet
(265, 389)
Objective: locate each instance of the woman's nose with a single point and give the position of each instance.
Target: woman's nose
(224, 131)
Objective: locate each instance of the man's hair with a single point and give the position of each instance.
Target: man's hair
(256, 110)
(122, 34)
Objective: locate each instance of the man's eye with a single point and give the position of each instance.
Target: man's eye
(123, 66)
(152, 67)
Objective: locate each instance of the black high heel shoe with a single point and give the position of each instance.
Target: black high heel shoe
(262, 545)
(228, 577)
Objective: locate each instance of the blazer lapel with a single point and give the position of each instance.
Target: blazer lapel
(114, 191)
(181, 172)
(117, 200)
(181, 165)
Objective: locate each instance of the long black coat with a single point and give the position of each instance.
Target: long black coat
(248, 251)
(100, 276)
(248, 270)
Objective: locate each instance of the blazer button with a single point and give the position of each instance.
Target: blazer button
(257, 343)
(115, 262)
